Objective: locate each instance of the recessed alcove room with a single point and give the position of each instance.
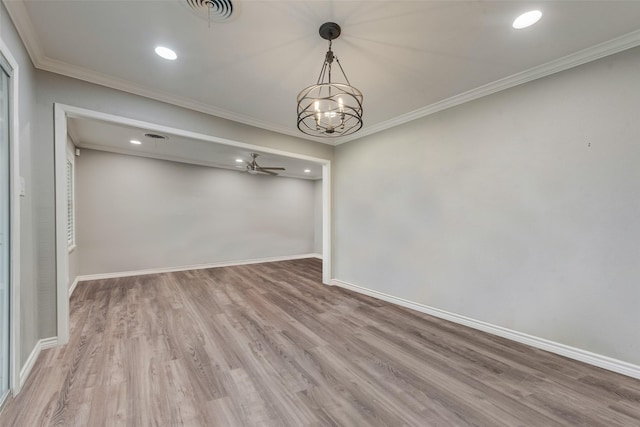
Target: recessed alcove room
(144, 200)
(233, 212)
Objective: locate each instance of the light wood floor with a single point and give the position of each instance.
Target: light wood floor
(268, 344)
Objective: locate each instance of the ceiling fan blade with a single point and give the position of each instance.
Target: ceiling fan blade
(267, 172)
(275, 169)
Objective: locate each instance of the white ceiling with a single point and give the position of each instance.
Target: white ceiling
(112, 137)
(409, 58)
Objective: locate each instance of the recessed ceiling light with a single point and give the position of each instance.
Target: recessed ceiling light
(307, 170)
(238, 160)
(527, 19)
(135, 141)
(166, 53)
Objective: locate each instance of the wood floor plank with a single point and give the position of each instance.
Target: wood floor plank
(269, 345)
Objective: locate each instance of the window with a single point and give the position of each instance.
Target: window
(71, 214)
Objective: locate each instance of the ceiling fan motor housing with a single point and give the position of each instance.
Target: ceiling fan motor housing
(254, 168)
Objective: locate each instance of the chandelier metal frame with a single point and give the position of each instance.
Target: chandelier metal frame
(328, 108)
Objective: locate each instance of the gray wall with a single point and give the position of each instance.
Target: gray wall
(498, 209)
(29, 333)
(53, 88)
(137, 213)
(317, 217)
(520, 209)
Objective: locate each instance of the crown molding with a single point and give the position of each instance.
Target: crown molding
(91, 76)
(20, 16)
(21, 20)
(589, 54)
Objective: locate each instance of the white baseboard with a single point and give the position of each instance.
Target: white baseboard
(319, 256)
(601, 361)
(50, 342)
(192, 267)
(73, 287)
(42, 344)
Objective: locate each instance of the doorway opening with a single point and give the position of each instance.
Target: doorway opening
(65, 114)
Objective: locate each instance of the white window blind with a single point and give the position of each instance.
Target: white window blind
(71, 232)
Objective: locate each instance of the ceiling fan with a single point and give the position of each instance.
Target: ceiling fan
(254, 168)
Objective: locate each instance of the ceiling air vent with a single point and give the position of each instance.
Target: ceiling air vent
(155, 136)
(212, 10)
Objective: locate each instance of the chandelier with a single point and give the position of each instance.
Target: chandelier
(329, 108)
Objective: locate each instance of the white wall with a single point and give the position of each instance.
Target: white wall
(521, 209)
(136, 213)
(317, 217)
(29, 332)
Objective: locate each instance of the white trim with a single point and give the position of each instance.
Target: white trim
(50, 342)
(14, 218)
(73, 286)
(327, 253)
(24, 24)
(26, 29)
(62, 249)
(102, 276)
(42, 344)
(20, 17)
(78, 112)
(594, 359)
(589, 54)
(28, 364)
(315, 255)
(95, 77)
(62, 112)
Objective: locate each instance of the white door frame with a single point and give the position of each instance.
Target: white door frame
(14, 218)
(62, 112)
